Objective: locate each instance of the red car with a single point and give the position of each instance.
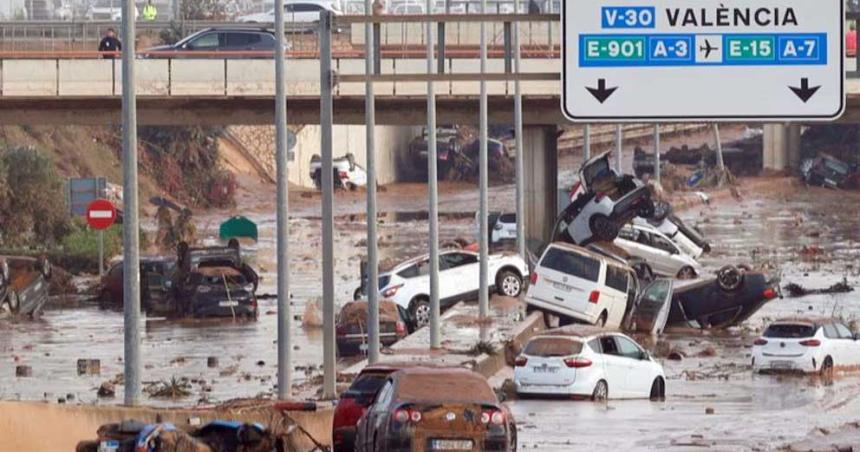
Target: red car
(354, 402)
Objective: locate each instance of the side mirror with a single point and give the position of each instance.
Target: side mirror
(644, 356)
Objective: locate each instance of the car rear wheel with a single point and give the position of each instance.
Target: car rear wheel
(420, 311)
(601, 391)
(603, 229)
(658, 390)
(827, 368)
(687, 273)
(509, 284)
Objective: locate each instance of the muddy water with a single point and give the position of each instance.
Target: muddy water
(750, 412)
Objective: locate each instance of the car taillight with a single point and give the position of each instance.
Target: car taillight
(769, 294)
(403, 416)
(577, 362)
(594, 296)
(810, 343)
(343, 175)
(347, 413)
(391, 291)
(760, 341)
(521, 361)
(599, 197)
(494, 417)
(533, 278)
(400, 328)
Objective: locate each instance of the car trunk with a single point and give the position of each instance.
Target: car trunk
(450, 427)
(545, 361)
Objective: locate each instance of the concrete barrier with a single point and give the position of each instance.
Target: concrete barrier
(29, 77)
(303, 77)
(152, 77)
(197, 77)
(251, 77)
(85, 77)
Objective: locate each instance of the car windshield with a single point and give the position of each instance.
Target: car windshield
(552, 346)
(508, 218)
(573, 264)
(789, 330)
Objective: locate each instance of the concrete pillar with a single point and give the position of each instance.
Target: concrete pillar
(781, 147)
(541, 180)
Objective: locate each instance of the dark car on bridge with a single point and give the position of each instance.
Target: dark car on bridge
(24, 285)
(237, 42)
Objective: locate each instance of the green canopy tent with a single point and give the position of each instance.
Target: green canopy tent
(238, 227)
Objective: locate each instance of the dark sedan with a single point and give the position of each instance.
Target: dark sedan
(253, 42)
(436, 409)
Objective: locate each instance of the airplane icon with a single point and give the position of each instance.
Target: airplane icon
(708, 48)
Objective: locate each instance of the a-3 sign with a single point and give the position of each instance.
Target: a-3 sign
(101, 214)
(638, 60)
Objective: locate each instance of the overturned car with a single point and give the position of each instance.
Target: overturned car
(24, 285)
(215, 282)
(351, 326)
(602, 202)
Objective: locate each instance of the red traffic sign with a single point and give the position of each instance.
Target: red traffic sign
(101, 214)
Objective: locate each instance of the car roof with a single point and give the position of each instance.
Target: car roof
(578, 331)
(461, 385)
(607, 257)
(394, 366)
(238, 28)
(806, 320)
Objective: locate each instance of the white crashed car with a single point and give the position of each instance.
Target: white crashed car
(502, 226)
(588, 362)
(662, 254)
(687, 238)
(806, 345)
(408, 283)
(603, 202)
(347, 173)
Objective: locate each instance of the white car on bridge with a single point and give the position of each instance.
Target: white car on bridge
(408, 283)
(304, 11)
(588, 362)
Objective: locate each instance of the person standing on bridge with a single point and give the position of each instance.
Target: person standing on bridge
(149, 11)
(109, 45)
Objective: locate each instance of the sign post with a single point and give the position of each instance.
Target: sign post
(673, 60)
(101, 214)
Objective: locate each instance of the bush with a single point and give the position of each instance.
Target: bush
(32, 202)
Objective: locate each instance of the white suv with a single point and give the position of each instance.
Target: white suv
(578, 284)
(658, 251)
(408, 283)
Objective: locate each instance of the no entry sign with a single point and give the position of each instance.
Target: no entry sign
(635, 60)
(101, 214)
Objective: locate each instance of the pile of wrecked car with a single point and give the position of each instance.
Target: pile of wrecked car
(608, 244)
(197, 282)
(24, 284)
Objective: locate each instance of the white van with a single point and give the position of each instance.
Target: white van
(581, 285)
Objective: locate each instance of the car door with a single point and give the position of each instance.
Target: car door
(637, 372)
(566, 279)
(850, 349)
(369, 423)
(669, 254)
(651, 310)
(614, 367)
(206, 42)
(615, 290)
(461, 274)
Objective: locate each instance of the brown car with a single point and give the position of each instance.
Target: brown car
(24, 285)
(423, 409)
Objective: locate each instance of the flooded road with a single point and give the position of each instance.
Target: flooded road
(750, 412)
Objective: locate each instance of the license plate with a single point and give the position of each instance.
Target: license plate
(561, 286)
(228, 304)
(109, 445)
(545, 370)
(782, 365)
(451, 444)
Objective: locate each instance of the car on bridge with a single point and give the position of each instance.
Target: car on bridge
(218, 39)
(295, 12)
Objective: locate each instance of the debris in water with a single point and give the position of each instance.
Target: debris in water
(173, 389)
(796, 290)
